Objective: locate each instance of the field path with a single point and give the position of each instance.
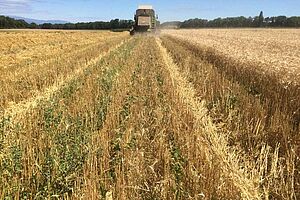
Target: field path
(218, 144)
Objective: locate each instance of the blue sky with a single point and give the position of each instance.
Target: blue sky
(93, 10)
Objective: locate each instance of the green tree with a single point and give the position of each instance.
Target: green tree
(33, 26)
(293, 22)
(47, 26)
(261, 19)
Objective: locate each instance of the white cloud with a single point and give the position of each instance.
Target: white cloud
(15, 6)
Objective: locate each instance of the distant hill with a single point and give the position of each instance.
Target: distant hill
(38, 21)
(8, 22)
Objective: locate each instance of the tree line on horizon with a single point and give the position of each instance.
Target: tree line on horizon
(115, 24)
(235, 22)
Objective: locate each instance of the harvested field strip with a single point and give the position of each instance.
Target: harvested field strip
(33, 60)
(277, 96)
(229, 160)
(86, 49)
(31, 80)
(36, 46)
(21, 107)
(242, 117)
(52, 138)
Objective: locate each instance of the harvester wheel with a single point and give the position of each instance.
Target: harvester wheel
(132, 32)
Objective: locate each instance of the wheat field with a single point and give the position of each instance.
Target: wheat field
(274, 51)
(187, 114)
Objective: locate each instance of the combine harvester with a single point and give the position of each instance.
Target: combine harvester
(145, 20)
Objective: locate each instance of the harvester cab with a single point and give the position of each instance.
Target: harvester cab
(145, 20)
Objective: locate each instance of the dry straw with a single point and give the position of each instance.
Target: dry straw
(217, 142)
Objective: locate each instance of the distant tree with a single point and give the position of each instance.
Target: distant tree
(65, 26)
(280, 21)
(47, 26)
(33, 26)
(293, 22)
(114, 24)
(194, 23)
(261, 19)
